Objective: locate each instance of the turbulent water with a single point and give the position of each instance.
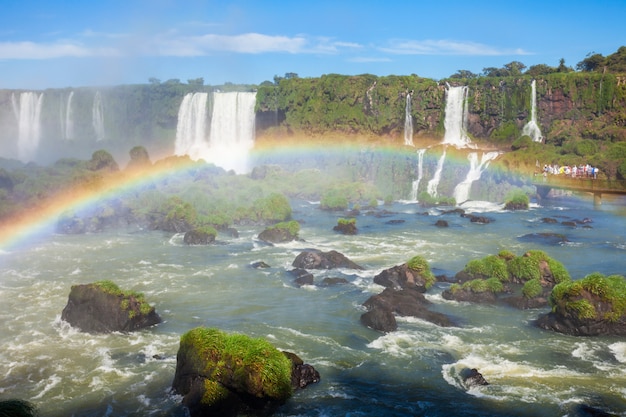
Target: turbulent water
(413, 371)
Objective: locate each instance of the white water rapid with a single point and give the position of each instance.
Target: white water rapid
(97, 116)
(191, 136)
(408, 121)
(462, 190)
(420, 174)
(532, 128)
(455, 121)
(28, 115)
(434, 182)
(66, 116)
(231, 134)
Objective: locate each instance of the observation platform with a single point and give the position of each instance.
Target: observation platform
(579, 184)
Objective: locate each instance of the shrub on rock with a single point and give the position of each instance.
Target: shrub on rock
(592, 306)
(200, 236)
(346, 226)
(230, 374)
(102, 307)
(517, 201)
(281, 232)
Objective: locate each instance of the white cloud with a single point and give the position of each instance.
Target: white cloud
(32, 50)
(446, 47)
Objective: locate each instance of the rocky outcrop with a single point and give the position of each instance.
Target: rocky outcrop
(281, 232)
(198, 237)
(102, 307)
(472, 378)
(403, 277)
(346, 227)
(230, 375)
(404, 302)
(314, 259)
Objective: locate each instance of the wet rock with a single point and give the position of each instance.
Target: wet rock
(544, 238)
(99, 308)
(472, 378)
(441, 223)
(314, 259)
(259, 265)
(198, 237)
(303, 277)
(334, 281)
(380, 319)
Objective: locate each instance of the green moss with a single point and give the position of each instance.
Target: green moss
(532, 288)
(293, 227)
(583, 308)
(110, 287)
(248, 363)
(524, 268)
(346, 222)
(491, 266)
(420, 265)
(214, 392)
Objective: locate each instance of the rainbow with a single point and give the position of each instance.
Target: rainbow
(42, 219)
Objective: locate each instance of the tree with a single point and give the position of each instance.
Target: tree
(199, 82)
(154, 81)
(562, 67)
(465, 74)
(539, 69)
(592, 63)
(515, 68)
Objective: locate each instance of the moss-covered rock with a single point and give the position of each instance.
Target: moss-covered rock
(200, 236)
(592, 306)
(281, 232)
(520, 281)
(346, 226)
(102, 307)
(231, 374)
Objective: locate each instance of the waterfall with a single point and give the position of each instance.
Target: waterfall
(434, 182)
(456, 116)
(231, 134)
(462, 190)
(67, 118)
(28, 115)
(191, 136)
(232, 130)
(97, 116)
(531, 128)
(420, 174)
(408, 121)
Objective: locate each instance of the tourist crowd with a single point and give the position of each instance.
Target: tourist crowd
(580, 171)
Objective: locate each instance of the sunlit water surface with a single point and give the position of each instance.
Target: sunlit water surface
(413, 371)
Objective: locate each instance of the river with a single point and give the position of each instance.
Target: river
(413, 371)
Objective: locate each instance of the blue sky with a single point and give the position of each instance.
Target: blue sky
(56, 44)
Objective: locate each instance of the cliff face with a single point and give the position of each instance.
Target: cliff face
(568, 106)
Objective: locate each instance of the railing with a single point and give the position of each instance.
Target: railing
(588, 184)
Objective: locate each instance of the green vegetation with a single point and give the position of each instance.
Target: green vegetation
(516, 200)
(127, 298)
(593, 297)
(492, 271)
(292, 227)
(245, 363)
(421, 267)
(346, 222)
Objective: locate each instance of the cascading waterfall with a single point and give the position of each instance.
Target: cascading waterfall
(232, 130)
(420, 174)
(191, 136)
(97, 116)
(434, 182)
(462, 190)
(66, 116)
(455, 122)
(231, 134)
(28, 115)
(531, 128)
(408, 121)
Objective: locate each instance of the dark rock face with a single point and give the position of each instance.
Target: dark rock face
(546, 238)
(302, 374)
(303, 277)
(198, 237)
(313, 259)
(399, 277)
(346, 228)
(403, 302)
(463, 295)
(93, 310)
(472, 378)
(477, 219)
(441, 223)
(567, 324)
